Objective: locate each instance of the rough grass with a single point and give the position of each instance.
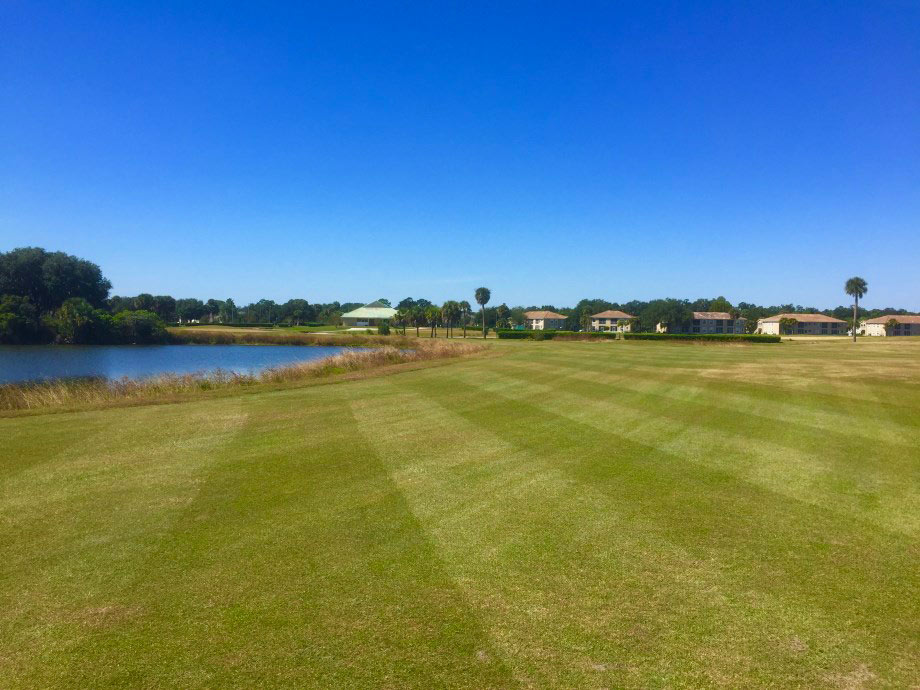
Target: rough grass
(68, 393)
(216, 335)
(564, 515)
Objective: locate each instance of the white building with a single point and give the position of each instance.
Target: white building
(369, 315)
(612, 320)
(543, 321)
(805, 324)
(903, 324)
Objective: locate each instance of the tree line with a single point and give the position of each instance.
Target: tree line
(54, 297)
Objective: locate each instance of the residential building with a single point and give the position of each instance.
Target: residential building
(544, 320)
(904, 324)
(370, 315)
(805, 324)
(708, 322)
(611, 320)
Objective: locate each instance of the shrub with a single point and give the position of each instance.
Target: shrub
(383, 328)
(705, 337)
(140, 327)
(509, 334)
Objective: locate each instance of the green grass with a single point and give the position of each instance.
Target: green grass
(610, 514)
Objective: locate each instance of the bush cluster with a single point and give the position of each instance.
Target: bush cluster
(509, 334)
(76, 322)
(706, 337)
(609, 335)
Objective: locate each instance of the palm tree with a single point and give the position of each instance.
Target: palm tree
(450, 310)
(502, 314)
(856, 287)
(465, 314)
(433, 316)
(483, 295)
(402, 318)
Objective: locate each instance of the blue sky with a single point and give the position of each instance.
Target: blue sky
(761, 151)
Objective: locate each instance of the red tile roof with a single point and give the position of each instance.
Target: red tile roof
(612, 314)
(900, 318)
(803, 318)
(544, 315)
(723, 315)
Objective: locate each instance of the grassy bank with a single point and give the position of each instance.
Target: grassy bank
(70, 393)
(222, 335)
(566, 515)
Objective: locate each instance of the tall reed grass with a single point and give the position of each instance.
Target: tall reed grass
(74, 393)
(242, 336)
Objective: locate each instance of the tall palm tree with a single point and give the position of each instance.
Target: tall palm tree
(433, 316)
(454, 312)
(483, 295)
(465, 314)
(856, 287)
(402, 318)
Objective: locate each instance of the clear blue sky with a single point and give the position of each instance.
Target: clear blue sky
(761, 151)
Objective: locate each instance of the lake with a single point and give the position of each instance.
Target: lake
(24, 363)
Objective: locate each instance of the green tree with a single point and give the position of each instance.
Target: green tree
(465, 310)
(584, 320)
(403, 317)
(890, 325)
(719, 304)
(483, 295)
(856, 288)
(50, 278)
(228, 311)
(787, 325)
(433, 318)
(164, 306)
(188, 309)
(76, 322)
(140, 327)
(502, 314)
(450, 313)
(20, 322)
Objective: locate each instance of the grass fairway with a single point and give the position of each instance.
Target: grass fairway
(610, 514)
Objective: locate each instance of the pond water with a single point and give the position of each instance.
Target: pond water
(24, 363)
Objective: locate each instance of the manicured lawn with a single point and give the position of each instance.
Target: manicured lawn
(610, 514)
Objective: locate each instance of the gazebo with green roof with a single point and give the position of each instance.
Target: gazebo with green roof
(369, 315)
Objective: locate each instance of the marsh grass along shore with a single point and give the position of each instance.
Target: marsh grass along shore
(70, 393)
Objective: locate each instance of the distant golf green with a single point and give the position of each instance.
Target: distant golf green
(587, 514)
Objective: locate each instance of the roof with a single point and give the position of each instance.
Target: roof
(803, 318)
(612, 314)
(544, 315)
(723, 315)
(374, 310)
(900, 318)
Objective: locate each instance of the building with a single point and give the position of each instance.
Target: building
(904, 324)
(805, 324)
(370, 315)
(543, 320)
(609, 321)
(709, 322)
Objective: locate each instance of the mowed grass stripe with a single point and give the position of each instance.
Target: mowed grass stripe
(297, 563)
(842, 472)
(883, 403)
(792, 551)
(519, 537)
(106, 497)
